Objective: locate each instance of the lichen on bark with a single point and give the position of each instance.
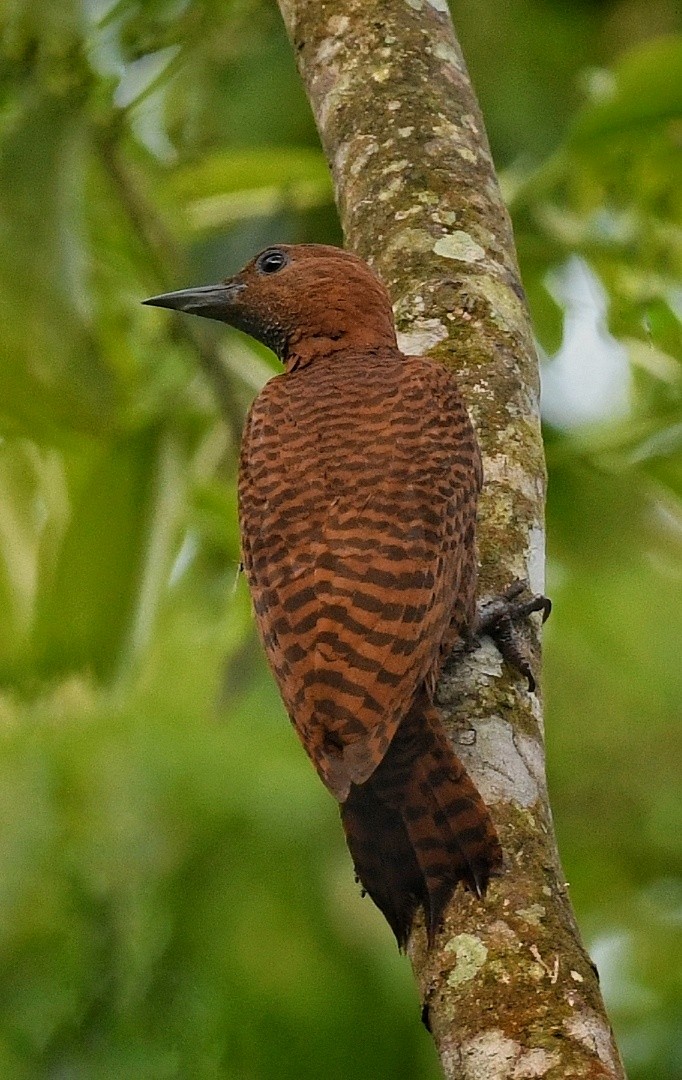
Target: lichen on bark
(509, 989)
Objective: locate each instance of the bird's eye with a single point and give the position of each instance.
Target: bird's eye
(272, 261)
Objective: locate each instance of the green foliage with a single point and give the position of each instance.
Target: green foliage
(176, 899)
(608, 194)
(227, 187)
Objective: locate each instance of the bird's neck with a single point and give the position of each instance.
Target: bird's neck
(366, 336)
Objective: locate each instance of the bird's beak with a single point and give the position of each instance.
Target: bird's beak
(211, 301)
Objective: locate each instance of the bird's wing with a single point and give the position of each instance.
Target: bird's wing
(357, 528)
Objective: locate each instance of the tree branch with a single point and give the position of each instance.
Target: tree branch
(509, 990)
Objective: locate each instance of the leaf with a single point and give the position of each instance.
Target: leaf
(647, 90)
(51, 376)
(33, 509)
(98, 604)
(143, 76)
(239, 170)
(238, 184)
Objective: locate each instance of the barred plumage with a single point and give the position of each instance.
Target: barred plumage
(358, 484)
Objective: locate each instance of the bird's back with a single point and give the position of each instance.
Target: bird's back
(358, 485)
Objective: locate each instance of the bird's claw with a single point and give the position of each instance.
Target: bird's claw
(497, 617)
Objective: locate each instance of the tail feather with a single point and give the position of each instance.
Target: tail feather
(418, 826)
(384, 858)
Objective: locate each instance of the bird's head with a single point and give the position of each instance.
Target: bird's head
(301, 301)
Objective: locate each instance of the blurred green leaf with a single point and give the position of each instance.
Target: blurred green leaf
(645, 88)
(34, 510)
(240, 170)
(225, 187)
(44, 283)
(102, 594)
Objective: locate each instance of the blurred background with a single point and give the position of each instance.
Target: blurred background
(175, 897)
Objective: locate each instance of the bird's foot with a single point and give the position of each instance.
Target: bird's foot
(497, 618)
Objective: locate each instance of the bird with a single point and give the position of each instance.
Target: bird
(358, 484)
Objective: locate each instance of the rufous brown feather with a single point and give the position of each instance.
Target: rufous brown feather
(358, 486)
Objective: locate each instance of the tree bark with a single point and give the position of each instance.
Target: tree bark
(509, 991)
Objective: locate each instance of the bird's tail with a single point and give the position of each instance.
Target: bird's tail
(418, 826)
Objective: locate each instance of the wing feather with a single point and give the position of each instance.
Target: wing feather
(357, 499)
